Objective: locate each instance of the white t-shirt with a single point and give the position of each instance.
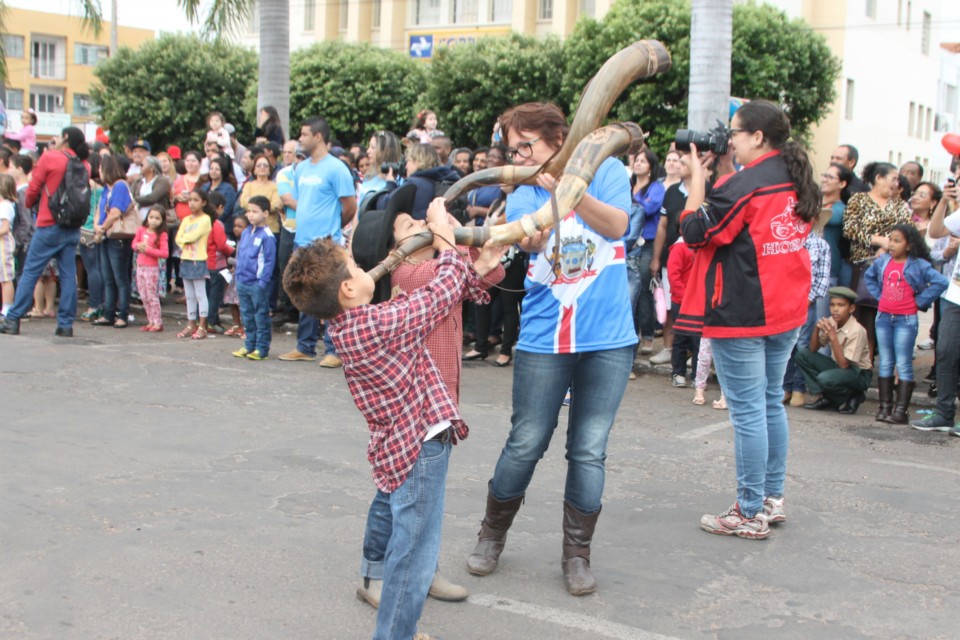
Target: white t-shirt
(952, 294)
(8, 211)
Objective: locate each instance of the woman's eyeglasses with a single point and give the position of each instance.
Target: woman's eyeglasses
(522, 150)
(829, 176)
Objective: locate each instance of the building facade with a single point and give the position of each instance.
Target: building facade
(50, 62)
(420, 27)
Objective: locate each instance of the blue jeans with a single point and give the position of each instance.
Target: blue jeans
(115, 259)
(641, 298)
(597, 380)
(416, 512)
(308, 330)
(751, 374)
(255, 310)
(896, 335)
(216, 287)
(49, 243)
(90, 255)
(793, 379)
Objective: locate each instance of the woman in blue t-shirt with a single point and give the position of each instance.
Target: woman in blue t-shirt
(115, 254)
(576, 332)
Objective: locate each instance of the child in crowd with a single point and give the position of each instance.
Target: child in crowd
(8, 214)
(217, 133)
(376, 234)
(219, 249)
(794, 387)
(151, 245)
(256, 258)
(27, 135)
(704, 362)
(230, 297)
(192, 240)
(395, 384)
(679, 268)
(903, 280)
(837, 382)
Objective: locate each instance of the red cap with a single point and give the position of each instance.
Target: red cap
(174, 152)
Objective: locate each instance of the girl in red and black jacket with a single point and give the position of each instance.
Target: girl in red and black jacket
(748, 294)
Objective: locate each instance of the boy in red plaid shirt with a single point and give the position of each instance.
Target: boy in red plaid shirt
(396, 386)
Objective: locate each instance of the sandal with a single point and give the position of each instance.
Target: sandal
(720, 404)
(102, 322)
(235, 330)
(187, 332)
(699, 400)
(90, 315)
(504, 363)
(199, 334)
(120, 324)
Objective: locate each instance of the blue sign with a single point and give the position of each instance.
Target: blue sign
(421, 46)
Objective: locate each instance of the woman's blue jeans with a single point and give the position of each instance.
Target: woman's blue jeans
(641, 298)
(49, 243)
(597, 380)
(751, 374)
(896, 335)
(90, 255)
(115, 264)
(416, 520)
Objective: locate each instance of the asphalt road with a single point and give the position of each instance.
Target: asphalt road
(157, 488)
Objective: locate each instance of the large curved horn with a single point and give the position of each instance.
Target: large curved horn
(642, 59)
(614, 139)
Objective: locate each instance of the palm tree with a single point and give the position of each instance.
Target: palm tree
(711, 45)
(226, 17)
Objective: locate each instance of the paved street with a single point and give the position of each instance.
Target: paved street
(158, 488)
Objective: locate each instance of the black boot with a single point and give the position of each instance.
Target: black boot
(885, 389)
(493, 534)
(901, 413)
(11, 327)
(577, 536)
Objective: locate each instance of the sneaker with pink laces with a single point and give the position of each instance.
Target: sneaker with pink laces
(773, 510)
(733, 523)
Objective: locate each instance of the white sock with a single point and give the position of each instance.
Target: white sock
(5, 309)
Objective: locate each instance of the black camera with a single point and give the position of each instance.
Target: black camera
(399, 168)
(714, 140)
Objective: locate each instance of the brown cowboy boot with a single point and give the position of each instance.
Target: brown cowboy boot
(493, 533)
(577, 535)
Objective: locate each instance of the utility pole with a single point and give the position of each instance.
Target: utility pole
(711, 47)
(113, 28)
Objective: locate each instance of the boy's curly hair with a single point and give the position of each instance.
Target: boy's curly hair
(313, 276)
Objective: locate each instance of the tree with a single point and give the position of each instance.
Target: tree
(773, 57)
(164, 90)
(470, 86)
(357, 87)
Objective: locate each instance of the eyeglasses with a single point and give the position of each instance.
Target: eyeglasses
(523, 150)
(829, 176)
(734, 131)
(261, 165)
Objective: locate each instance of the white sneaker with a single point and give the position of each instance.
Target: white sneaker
(679, 381)
(926, 345)
(663, 357)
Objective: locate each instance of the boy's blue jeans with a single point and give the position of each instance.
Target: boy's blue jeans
(48, 243)
(896, 335)
(412, 533)
(255, 311)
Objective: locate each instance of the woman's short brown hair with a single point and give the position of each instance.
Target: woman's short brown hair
(424, 155)
(545, 118)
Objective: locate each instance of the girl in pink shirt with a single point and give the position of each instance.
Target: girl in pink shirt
(27, 136)
(151, 244)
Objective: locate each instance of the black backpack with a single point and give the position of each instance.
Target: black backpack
(70, 203)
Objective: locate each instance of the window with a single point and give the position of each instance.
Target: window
(344, 6)
(501, 10)
(309, 14)
(464, 12)
(89, 55)
(909, 9)
(950, 98)
(913, 106)
(427, 12)
(899, 12)
(83, 105)
(12, 46)
(848, 110)
(48, 99)
(545, 10)
(14, 100)
(918, 132)
(926, 134)
(872, 9)
(375, 17)
(588, 8)
(47, 59)
(925, 34)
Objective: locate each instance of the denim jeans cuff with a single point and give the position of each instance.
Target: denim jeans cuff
(371, 569)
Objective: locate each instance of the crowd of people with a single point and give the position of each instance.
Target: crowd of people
(794, 289)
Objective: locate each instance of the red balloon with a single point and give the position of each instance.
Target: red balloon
(951, 142)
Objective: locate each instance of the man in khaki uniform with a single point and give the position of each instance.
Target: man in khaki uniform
(837, 382)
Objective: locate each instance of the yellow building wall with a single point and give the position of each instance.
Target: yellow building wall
(78, 78)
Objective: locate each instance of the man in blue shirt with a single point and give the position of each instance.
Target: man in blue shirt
(326, 201)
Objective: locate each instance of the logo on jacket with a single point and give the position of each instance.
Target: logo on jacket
(789, 230)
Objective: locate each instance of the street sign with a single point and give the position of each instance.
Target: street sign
(421, 46)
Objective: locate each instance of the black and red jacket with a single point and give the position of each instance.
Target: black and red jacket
(751, 273)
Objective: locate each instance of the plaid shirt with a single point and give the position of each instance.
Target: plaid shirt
(819, 252)
(445, 343)
(394, 381)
